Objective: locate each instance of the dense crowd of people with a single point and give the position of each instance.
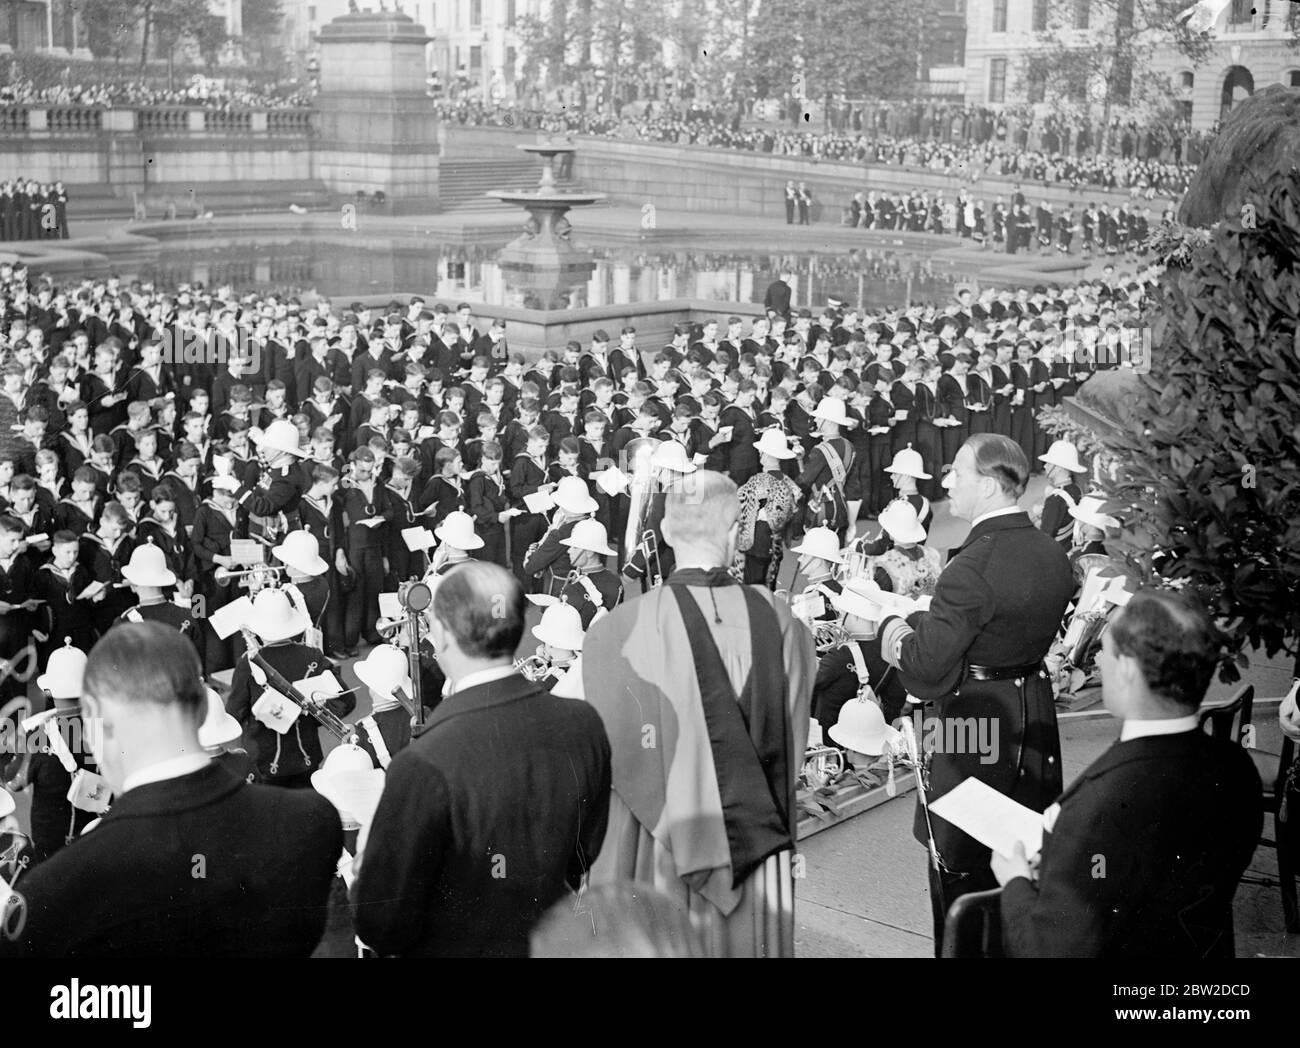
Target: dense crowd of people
(1012, 226)
(194, 481)
(1122, 168)
(201, 91)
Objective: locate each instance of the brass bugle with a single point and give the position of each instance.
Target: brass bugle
(533, 668)
(828, 635)
(226, 575)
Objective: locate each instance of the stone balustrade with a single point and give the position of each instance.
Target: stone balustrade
(196, 121)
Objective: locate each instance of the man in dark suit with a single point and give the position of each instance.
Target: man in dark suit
(977, 654)
(777, 297)
(191, 860)
(498, 809)
(1143, 853)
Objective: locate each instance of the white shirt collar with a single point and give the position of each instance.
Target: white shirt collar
(473, 680)
(172, 768)
(1140, 729)
(1005, 511)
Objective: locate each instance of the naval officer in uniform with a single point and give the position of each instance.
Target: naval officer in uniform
(976, 655)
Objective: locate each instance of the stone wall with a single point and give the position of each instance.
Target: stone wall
(697, 178)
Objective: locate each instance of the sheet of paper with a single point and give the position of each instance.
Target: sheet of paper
(39, 537)
(417, 539)
(539, 502)
(390, 607)
(247, 552)
(223, 464)
(371, 522)
(808, 606)
(612, 481)
(320, 687)
(228, 619)
(91, 590)
(992, 818)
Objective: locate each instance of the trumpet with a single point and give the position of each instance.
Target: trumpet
(257, 577)
(828, 636)
(533, 668)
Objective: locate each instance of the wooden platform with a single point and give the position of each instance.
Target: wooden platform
(850, 799)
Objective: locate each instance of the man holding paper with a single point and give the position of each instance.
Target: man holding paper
(977, 652)
(1143, 853)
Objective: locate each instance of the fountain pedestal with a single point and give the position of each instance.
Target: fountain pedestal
(543, 260)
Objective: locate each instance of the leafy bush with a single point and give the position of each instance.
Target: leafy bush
(1210, 455)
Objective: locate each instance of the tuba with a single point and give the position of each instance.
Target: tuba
(641, 487)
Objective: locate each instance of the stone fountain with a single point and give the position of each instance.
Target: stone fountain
(543, 261)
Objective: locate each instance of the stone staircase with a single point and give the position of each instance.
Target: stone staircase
(463, 184)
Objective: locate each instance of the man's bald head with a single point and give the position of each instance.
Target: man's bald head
(701, 515)
(482, 606)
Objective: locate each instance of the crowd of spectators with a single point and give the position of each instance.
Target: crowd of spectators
(967, 143)
(200, 91)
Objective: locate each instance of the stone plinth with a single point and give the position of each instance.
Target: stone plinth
(374, 53)
(378, 130)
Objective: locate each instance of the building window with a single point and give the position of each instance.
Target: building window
(475, 57)
(1242, 12)
(999, 16)
(1037, 86)
(1125, 14)
(1187, 80)
(475, 13)
(311, 14)
(1040, 16)
(997, 80)
(1081, 13)
(1293, 78)
(511, 13)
